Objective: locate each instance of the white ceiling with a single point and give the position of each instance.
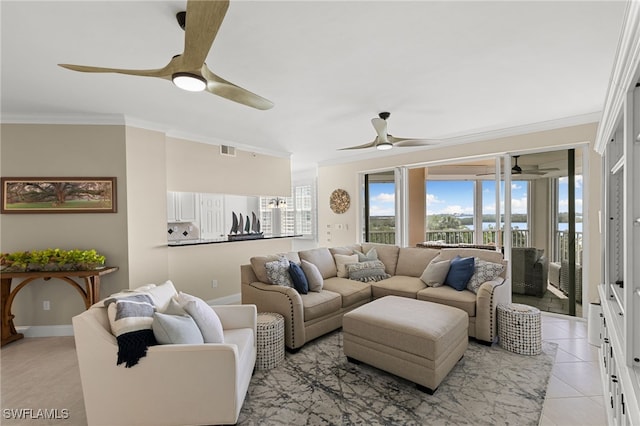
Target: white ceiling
(444, 69)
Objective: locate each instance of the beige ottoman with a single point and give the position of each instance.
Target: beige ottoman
(417, 340)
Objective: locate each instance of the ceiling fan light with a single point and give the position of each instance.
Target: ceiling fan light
(384, 146)
(189, 82)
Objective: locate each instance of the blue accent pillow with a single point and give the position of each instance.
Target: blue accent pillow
(460, 272)
(300, 282)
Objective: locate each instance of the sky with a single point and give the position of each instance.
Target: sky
(457, 197)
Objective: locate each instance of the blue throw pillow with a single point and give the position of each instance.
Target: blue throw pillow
(460, 272)
(300, 282)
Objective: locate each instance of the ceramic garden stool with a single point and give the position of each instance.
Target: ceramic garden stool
(519, 328)
(270, 340)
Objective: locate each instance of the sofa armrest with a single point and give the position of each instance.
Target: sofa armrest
(285, 301)
(489, 295)
(237, 316)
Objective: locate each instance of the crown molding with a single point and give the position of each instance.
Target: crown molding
(624, 76)
(122, 120)
(77, 119)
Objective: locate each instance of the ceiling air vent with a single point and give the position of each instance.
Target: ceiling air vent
(227, 150)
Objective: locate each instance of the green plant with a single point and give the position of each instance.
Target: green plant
(51, 259)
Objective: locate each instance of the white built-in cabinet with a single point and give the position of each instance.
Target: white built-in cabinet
(182, 207)
(618, 141)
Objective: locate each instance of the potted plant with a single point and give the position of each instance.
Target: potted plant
(51, 260)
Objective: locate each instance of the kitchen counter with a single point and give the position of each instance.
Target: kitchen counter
(196, 242)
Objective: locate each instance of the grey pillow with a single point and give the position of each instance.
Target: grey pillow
(314, 277)
(435, 273)
(369, 271)
(176, 329)
(278, 272)
(371, 255)
(485, 271)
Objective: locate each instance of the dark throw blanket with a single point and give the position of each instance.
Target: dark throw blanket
(131, 318)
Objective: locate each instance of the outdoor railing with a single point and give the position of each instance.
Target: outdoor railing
(519, 238)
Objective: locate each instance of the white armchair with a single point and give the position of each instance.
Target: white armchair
(172, 384)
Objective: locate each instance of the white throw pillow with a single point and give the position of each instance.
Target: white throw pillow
(314, 277)
(342, 260)
(162, 294)
(176, 329)
(435, 273)
(204, 316)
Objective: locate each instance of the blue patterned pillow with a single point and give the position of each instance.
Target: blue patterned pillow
(300, 282)
(460, 272)
(278, 272)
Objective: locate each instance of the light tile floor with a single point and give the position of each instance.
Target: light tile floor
(574, 395)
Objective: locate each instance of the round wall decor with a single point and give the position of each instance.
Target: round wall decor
(339, 201)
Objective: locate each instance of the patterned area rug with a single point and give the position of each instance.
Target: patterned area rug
(318, 386)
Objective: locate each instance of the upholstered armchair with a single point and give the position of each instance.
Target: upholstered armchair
(174, 384)
(529, 271)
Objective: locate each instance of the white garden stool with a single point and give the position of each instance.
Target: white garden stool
(270, 340)
(519, 328)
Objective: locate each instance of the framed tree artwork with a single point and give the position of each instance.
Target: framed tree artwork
(58, 195)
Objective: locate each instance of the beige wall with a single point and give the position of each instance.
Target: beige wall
(199, 167)
(147, 207)
(345, 176)
(60, 151)
(146, 164)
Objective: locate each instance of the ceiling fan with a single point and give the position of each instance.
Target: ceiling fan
(517, 170)
(386, 141)
(188, 70)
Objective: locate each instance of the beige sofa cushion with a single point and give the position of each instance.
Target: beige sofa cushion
(346, 249)
(387, 253)
(412, 261)
(445, 295)
(258, 262)
(398, 285)
(352, 292)
(323, 259)
(319, 304)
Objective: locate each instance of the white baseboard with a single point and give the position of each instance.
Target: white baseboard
(45, 330)
(233, 299)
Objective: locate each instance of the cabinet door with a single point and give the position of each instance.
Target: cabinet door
(187, 207)
(212, 216)
(171, 207)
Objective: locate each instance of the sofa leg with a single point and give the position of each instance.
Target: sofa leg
(292, 351)
(426, 389)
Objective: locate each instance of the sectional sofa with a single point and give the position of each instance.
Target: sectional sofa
(308, 316)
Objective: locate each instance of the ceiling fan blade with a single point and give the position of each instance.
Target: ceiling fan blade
(161, 72)
(406, 142)
(202, 23)
(381, 127)
(221, 87)
(363, 146)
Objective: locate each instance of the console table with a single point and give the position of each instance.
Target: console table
(90, 293)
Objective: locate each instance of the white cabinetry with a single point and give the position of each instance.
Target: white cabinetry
(618, 141)
(182, 207)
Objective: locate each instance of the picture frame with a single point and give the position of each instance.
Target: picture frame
(58, 195)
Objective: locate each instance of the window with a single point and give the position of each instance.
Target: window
(293, 215)
(454, 213)
(380, 208)
(450, 211)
